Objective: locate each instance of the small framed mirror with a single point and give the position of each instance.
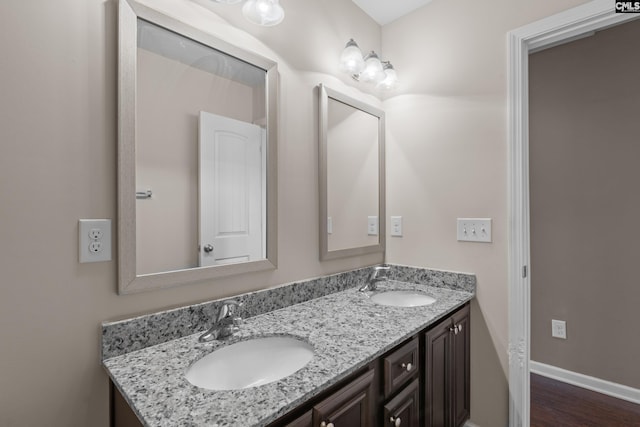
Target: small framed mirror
(197, 170)
(352, 176)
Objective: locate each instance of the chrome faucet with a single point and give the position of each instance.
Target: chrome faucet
(379, 274)
(226, 323)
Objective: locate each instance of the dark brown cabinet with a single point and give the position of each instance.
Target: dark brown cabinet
(401, 365)
(304, 420)
(447, 379)
(404, 409)
(352, 405)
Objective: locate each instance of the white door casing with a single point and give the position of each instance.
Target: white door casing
(548, 32)
(231, 191)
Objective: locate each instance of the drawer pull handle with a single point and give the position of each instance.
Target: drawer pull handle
(396, 421)
(323, 424)
(456, 329)
(407, 366)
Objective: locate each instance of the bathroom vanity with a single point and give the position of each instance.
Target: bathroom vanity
(373, 365)
(422, 382)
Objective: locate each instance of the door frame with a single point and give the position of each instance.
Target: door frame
(557, 29)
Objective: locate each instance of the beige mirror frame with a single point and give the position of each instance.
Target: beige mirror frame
(128, 279)
(326, 94)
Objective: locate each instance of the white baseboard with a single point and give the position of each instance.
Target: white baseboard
(619, 391)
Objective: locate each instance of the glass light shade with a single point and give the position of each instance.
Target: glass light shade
(351, 60)
(373, 71)
(390, 80)
(263, 12)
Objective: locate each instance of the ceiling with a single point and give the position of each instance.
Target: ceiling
(385, 11)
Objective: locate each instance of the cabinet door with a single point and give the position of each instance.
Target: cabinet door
(305, 420)
(404, 409)
(461, 401)
(437, 376)
(121, 413)
(350, 406)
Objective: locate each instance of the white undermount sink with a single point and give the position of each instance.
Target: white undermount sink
(250, 363)
(402, 298)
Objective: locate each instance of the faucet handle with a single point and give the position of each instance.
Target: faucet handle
(380, 271)
(225, 308)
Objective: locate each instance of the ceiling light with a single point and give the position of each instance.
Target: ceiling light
(351, 60)
(369, 69)
(390, 80)
(373, 71)
(261, 12)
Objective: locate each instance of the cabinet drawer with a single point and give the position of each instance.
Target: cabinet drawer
(351, 405)
(404, 409)
(400, 366)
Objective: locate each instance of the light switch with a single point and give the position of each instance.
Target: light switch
(396, 226)
(372, 226)
(474, 230)
(329, 225)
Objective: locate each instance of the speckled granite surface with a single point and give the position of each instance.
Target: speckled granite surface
(144, 331)
(346, 329)
(128, 335)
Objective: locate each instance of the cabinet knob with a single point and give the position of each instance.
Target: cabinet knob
(324, 424)
(407, 366)
(396, 421)
(460, 327)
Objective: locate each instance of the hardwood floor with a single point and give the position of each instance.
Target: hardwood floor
(557, 404)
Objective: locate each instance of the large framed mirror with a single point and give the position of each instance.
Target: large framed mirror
(352, 176)
(197, 170)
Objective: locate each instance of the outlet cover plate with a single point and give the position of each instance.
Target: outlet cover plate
(94, 240)
(559, 329)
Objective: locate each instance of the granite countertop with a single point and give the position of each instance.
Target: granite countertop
(346, 329)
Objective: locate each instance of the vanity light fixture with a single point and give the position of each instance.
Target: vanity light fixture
(368, 68)
(261, 12)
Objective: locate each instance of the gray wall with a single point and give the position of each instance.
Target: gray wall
(58, 129)
(585, 234)
(446, 153)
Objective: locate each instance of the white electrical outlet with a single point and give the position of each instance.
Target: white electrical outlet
(372, 226)
(396, 226)
(94, 240)
(474, 230)
(559, 329)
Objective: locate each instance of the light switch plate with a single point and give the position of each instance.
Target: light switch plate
(329, 225)
(396, 226)
(94, 240)
(372, 226)
(474, 230)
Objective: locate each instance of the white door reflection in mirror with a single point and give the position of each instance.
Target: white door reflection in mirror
(168, 73)
(232, 188)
